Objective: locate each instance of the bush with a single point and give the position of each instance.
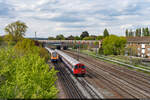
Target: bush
(44, 54)
(29, 46)
(1, 40)
(25, 76)
(113, 45)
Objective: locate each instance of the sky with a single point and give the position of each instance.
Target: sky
(72, 17)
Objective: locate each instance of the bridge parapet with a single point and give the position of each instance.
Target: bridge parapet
(90, 42)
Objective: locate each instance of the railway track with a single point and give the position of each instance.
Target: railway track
(69, 86)
(126, 83)
(75, 87)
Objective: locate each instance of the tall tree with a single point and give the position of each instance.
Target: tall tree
(70, 37)
(77, 38)
(51, 38)
(130, 33)
(114, 45)
(140, 32)
(147, 33)
(137, 32)
(127, 33)
(1, 40)
(143, 32)
(99, 37)
(84, 34)
(60, 37)
(16, 29)
(106, 33)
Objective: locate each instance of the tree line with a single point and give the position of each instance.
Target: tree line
(84, 36)
(138, 32)
(24, 72)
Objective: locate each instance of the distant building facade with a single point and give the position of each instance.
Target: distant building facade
(141, 44)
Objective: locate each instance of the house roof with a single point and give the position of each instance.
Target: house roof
(145, 39)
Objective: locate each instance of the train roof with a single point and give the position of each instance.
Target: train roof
(50, 50)
(68, 58)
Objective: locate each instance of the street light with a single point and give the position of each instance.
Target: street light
(78, 46)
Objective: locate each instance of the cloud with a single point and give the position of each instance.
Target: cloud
(71, 17)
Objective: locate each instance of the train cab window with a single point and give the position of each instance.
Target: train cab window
(54, 54)
(83, 66)
(76, 67)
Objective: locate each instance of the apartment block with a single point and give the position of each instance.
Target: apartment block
(141, 44)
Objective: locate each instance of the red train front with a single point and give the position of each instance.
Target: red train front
(79, 69)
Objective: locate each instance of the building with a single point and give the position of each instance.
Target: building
(141, 44)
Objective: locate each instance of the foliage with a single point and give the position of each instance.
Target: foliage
(25, 76)
(99, 37)
(1, 40)
(60, 37)
(88, 38)
(70, 37)
(113, 45)
(96, 43)
(16, 30)
(9, 39)
(127, 33)
(51, 38)
(100, 51)
(77, 38)
(105, 33)
(44, 53)
(27, 45)
(84, 34)
(138, 32)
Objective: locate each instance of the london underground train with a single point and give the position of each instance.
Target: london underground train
(75, 66)
(54, 55)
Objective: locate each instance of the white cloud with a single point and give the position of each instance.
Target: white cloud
(52, 17)
(126, 26)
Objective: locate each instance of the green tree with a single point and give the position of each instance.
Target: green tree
(1, 40)
(131, 33)
(77, 38)
(70, 37)
(88, 38)
(137, 32)
(30, 46)
(16, 30)
(60, 37)
(140, 32)
(127, 33)
(143, 32)
(84, 34)
(9, 39)
(26, 77)
(105, 33)
(51, 38)
(99, 37)
(147, 33)
(113, 45)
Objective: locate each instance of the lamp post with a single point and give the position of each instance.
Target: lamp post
(35, 36)
(78, 50)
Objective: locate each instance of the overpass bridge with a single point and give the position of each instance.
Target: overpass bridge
(69, 42)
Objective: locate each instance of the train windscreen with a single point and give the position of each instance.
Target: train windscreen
(54, 54)
(79, 66)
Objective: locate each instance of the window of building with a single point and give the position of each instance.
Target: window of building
(148, 49)
(143, 45)
(148, 54)
(143, 51)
